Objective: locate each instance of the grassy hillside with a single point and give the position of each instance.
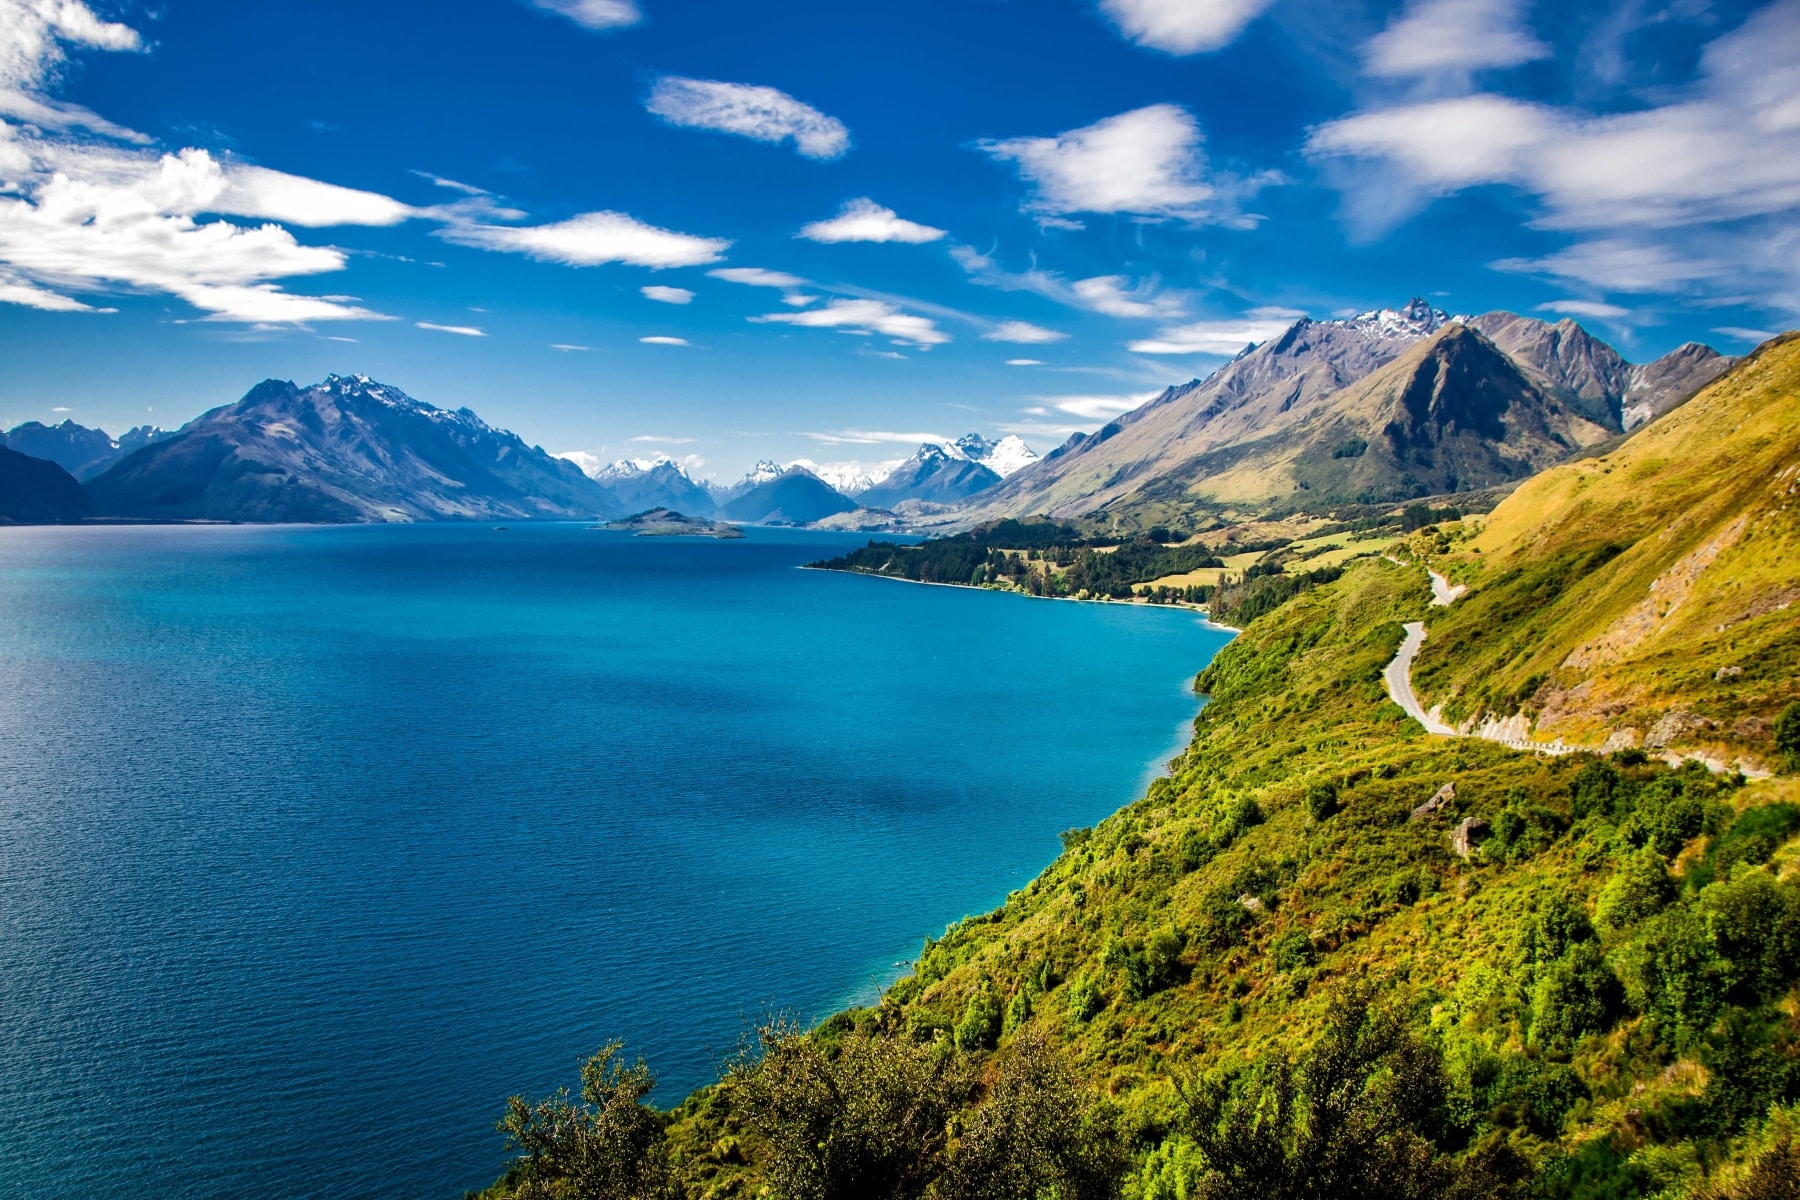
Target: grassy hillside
(1276, 975)
(1648, 594)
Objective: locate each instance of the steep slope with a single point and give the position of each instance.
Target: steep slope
(795, 497)
(1008, 456)
(936, 474)
(763, 472)
(1593, 378)
(345, 450)
(1256, 415)
(36, 491)
(80, 451)
(1647, 596)
(1257, 393)
(638, 484)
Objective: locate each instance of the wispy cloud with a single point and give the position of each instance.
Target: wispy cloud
(659, 439)
(1092, 408)
(458, 330)
(875, 437)
(757, 277)
(594, 14)
(863, 220)
(1183, 26)
(660, 340)
(593, 239)
(1223, 338)
(567, 347)
(1116, 296)
(1437, 36)
(1148, 162)
(1585, 308)
(1744, 335)
(1023, 333)
(865, 316)
(763, 114)
(1024, 362)
(666, 295)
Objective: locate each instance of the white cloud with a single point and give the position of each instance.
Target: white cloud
(1183, 26)
(876, 437)
(1585, 308)
(865, 316)
(1437, 36)
(589, 462)
(458, 330)
(568, 347)
(1108, 294)
(260, 192)
(757, 277)
(663, 441)
(32, 33)
(1745, 335)
(17, 291)
(1147, 162)
(594, 14)
(761, 113)
(1024, 362)
(667, 295)
(863, 220)
(663, 341)
(1093, 408)
(1023, 333)
(1718, 160)
(1620, 264)
(1224, 338)
(592, 239)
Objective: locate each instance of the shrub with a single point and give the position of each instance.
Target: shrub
(611, 1144)
(979, 1028)
(1640, 888)
(1084, 999)
(1321, 801)
(1787, 736)
(1291, 950)
(1576, 995)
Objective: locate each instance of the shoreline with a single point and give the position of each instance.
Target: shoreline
(1193, 608)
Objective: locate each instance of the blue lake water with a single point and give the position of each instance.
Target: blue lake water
(315, 844)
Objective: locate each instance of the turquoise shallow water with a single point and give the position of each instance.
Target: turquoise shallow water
(317, 843)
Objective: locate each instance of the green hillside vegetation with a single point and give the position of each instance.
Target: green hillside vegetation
(1278, 975)
(1647, 594)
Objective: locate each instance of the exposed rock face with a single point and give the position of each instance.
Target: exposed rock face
(1466, 837)
(1439, 799)
(345, 450)
(80, 451)
(1289, 424)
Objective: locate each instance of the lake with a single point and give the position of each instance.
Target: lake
(317, 843)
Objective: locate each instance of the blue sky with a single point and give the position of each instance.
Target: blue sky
(846, 226)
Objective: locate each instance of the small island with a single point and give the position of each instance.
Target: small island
(666, 522)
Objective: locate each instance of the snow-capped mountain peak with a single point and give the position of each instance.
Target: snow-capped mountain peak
(1416, 320)
(1008, 455)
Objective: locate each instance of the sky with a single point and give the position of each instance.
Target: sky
(808, 228)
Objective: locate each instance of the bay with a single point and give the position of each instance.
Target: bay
(316, 843)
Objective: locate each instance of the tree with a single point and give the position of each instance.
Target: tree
(1787, 736)
(1036, 1134)
(1362, 1115)
(610, 1147)
(863, 1117)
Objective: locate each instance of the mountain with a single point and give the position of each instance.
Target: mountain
(1593, 378)
(850, 478)
(794, 497)
(936, 474)
(37, 491)
(1647, 596)
(1005, 457)
(80, 451)
(644, 483)
(345, 450)
(1308, 419)
(763, 472)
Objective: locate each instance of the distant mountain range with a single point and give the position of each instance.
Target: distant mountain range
(348, 449)
(80, 451)
(1382, 407)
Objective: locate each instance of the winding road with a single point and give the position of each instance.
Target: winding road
(1398, 677)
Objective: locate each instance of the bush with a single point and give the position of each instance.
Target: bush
(610, 1145)
(1084, 999)
(1576, 995)
(1787, 736)
(1291, 950)
(1321, 801)
(1640, 888)
(979, 1028)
